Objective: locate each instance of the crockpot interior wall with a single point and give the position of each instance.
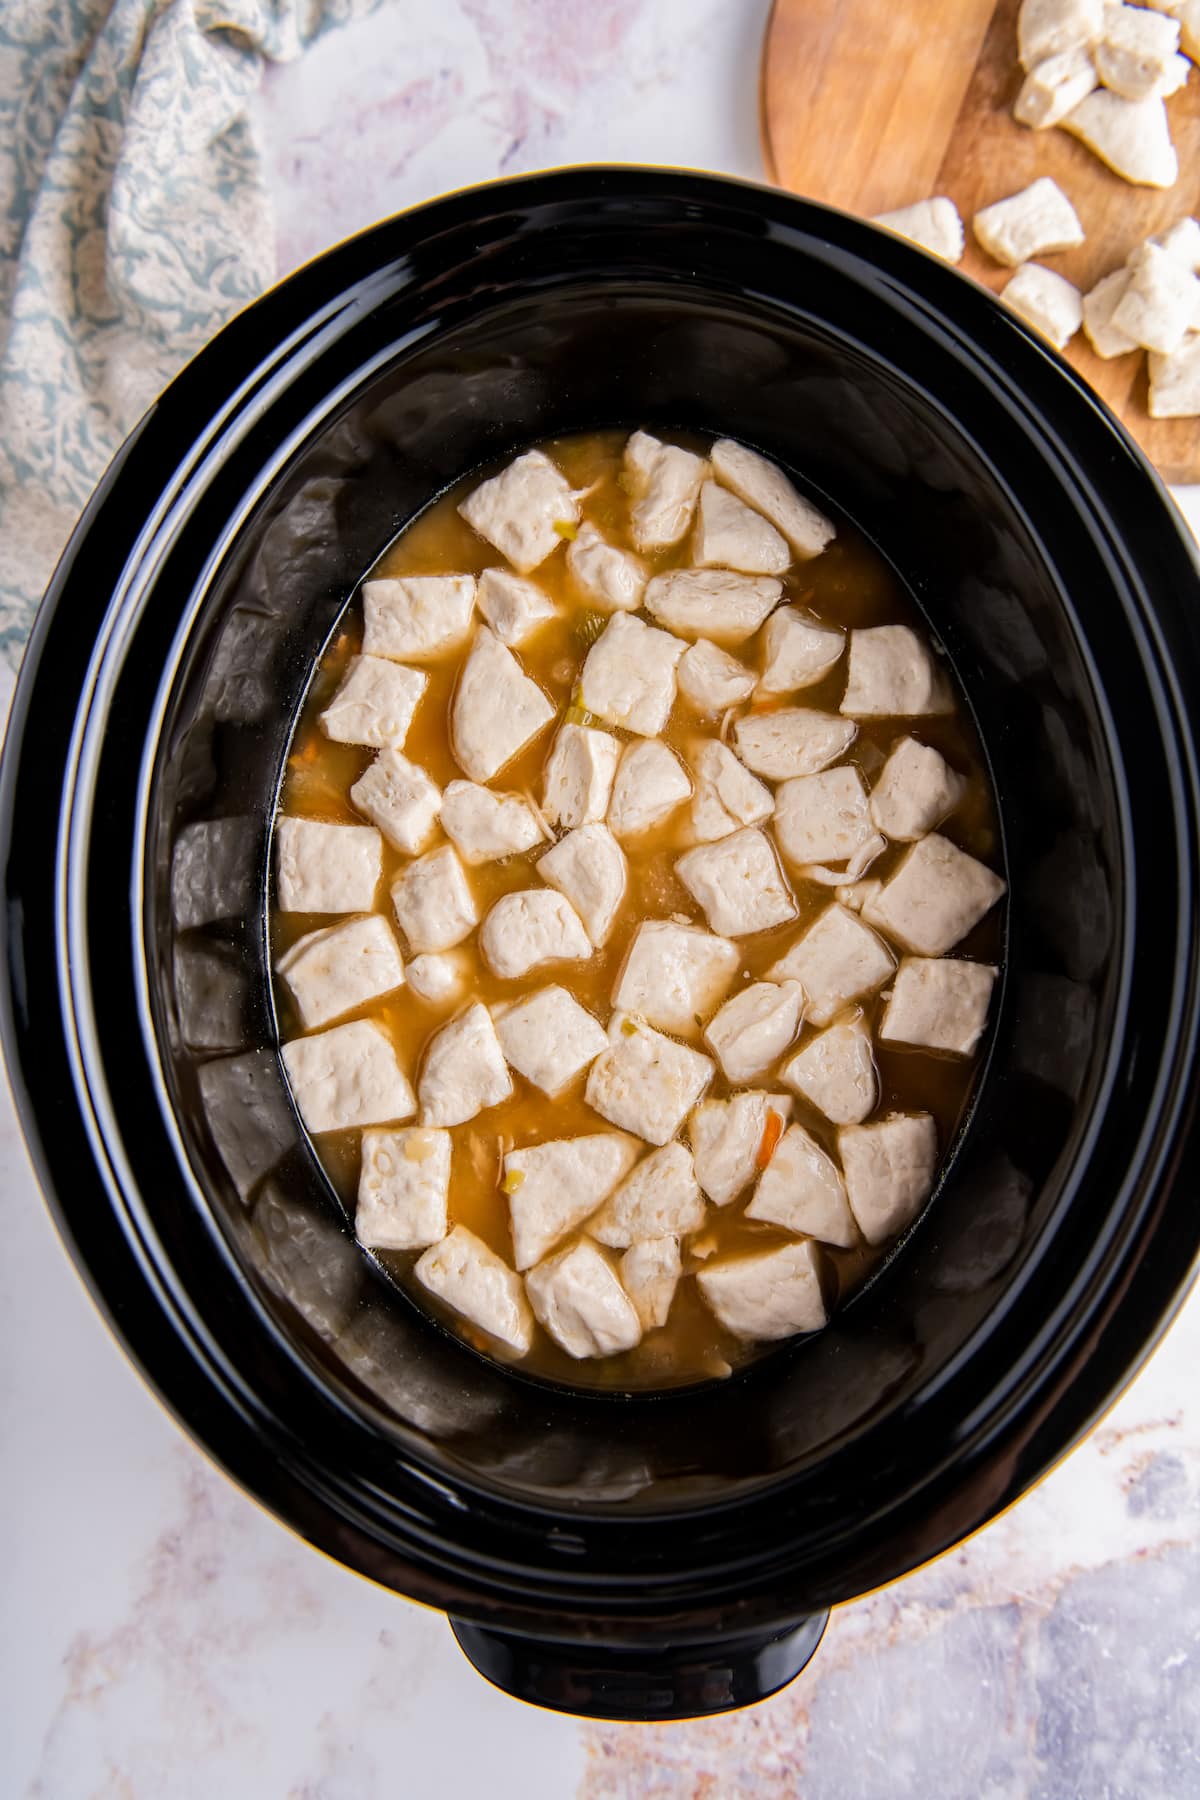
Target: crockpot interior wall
(907, 475)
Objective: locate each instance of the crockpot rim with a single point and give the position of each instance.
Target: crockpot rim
(653, 181)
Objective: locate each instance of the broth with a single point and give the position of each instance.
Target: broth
(848, 585)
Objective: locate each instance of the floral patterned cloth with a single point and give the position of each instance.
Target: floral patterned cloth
(134, 221)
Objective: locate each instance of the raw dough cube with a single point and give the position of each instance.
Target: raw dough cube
(755, 1027)
(518, 510)
(651, 784)
(938, 1004)
(463, 1071)
(836, 961)
(794, 740)
(660, 1196)
(675, 975)
(1035, 222)
(1175, 381)
(916, 790)
(835, 1072)
(1054, 87)
(822, 818)
(374, 704)
(711, 603)
(1161, 301)
(1135, 54)
(764, 486)
(497, 709)
(728, 1143)
(711, 680)
(731, 535)
(770, 1294)
(739, 884)
(486, 827)
(553, 1187)
(1049, 302)
(1131, 136)
(417, 615)
(347, 1076)
(478, 1285)
(799, 651)
(549, 1038)
(579, 1300)
(326, 868)
(645, 1082)
(588, 867)
(802, 1190)
(888, 1168)
(727, 795)
(664, 483)
(1182, 241)
(933, 224)
(629, 676)
(398, 796)
(612, 578)
(532, 927)
(934, 898)
(331, 972)
(513, 606)
(650, 1274)
(579, 775)
(438, 975)
(1050, 27)
(893, 674)
(433, 904)
(402, 1188)
(1099, 305)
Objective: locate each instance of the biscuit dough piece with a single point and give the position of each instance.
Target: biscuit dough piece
(1175, 381)
(331, 972)
(1054, 87)
(664, 483)
(660, 1197)
(629, 676)
(892, 673)
(729, 1140)
(613, 579)
(463, 1071)
(1134, 57)
(323, 868)
(651, 784)
(433, 902)
(398, 797)
(793, 740)
(403, 1183)
(763, 485)
(578, 778)
(644, 1082)
(548, 1038)
(934, 898)
(835, 1072)
(731, 535)
(727, 795)
(1035, 222)
(711, 680)
(739, 884)
(1099, 305)
(553, 1187)
(374, 703)
(1161, 301)
(415, 617)
(935, 225)
(711, 603)
(347, 1076)
(531, 927)
(1049, 302)
(837, 960)
(650, 1274)
(675, 976)
(520, 509)
(802, 1190)
(1050, 27)
(769, 1294)
(938, 1003)
(1131, 136)
(497, 708)
(477, 1284)
(578, 1298)
(916, 790)
(888, 1168)
(798, 651)
(513, 606)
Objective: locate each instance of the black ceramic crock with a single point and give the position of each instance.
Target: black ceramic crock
(662, 1556)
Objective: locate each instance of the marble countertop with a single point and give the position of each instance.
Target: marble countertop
(166, 1639)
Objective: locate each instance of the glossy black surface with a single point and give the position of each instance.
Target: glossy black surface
(145, 749)
(603, 1681)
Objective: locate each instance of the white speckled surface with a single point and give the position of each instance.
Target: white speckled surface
(165, 1638)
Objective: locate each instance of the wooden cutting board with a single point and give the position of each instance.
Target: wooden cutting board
(872, 104)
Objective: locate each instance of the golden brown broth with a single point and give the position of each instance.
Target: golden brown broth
(850, 584)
